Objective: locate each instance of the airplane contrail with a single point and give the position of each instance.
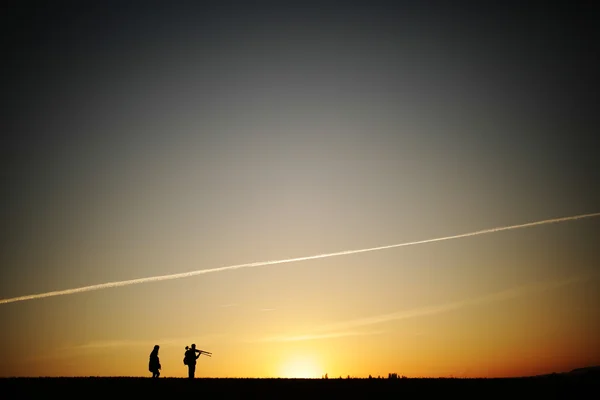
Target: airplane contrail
(289, 260)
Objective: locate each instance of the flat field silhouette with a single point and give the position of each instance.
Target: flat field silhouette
(544, 387)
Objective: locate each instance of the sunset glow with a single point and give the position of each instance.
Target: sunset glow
(300, 367)
(351, 190)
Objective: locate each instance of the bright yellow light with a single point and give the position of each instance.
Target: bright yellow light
(300, 367)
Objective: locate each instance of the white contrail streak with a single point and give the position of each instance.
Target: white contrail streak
(263, 263)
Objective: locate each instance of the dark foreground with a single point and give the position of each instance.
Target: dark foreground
(549, 387)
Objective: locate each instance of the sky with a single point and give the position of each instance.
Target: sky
(158, 139)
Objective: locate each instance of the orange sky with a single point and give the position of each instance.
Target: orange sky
(156, 141)
(308, 320)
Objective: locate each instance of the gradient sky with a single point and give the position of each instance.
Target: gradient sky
(142, 141)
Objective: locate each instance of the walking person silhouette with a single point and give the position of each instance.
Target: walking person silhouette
(154, 364)
(191, 357)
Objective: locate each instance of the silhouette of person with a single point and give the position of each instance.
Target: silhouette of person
(190, 359)
(154, 364)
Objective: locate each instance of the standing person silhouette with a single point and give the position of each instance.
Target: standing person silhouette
(154, 364)
(190, 359)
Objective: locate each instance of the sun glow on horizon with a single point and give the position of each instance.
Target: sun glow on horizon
(300, 367)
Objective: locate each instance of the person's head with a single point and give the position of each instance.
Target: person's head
(193, 345)
(156, 347)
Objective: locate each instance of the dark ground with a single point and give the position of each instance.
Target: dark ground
(548, 387)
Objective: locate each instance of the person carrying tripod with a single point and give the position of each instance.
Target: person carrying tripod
(190, 358)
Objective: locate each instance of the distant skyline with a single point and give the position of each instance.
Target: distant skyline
(174, 140)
